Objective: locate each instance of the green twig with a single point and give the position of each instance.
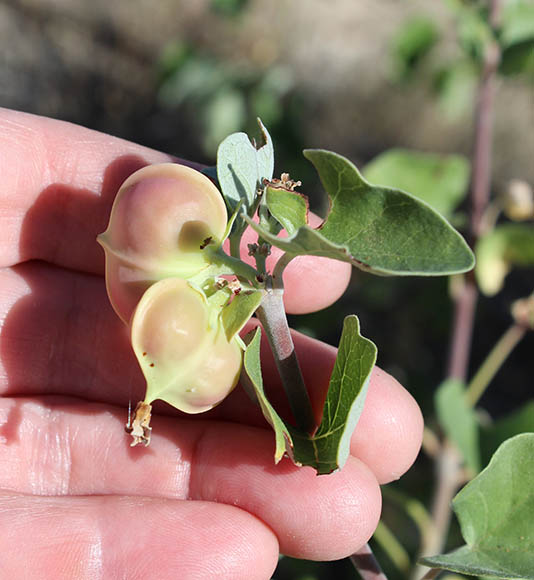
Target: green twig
(493, 362)
(278, 271)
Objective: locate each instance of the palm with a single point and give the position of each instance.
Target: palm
(78, 501)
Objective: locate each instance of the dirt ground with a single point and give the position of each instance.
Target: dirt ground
(94, 63)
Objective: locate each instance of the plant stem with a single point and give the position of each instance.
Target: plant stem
(448, 464)
(272, 315)
(463, 323)
(366, 564)
(493, 362)
(448, 476)
(273, 318)
(465, 304)
(279, 269)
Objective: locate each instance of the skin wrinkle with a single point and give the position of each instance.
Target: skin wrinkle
(52, 464)
(181, 472)
(95, 558)
(195, 453)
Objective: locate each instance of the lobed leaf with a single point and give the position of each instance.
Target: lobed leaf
(496, 511)
(378, 229)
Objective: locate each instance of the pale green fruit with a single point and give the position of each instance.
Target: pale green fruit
(182, 348)
(160, 219)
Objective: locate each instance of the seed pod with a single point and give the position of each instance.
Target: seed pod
(182, 348)
(161, 218)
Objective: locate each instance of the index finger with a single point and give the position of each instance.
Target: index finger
(59, 182)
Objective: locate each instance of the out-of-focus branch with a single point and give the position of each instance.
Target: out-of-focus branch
(448, 467)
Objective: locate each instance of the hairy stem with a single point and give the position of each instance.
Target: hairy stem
(366, 564)
(272, 315)
(493, 362)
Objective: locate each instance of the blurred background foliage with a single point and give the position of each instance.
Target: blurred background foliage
(357, 77)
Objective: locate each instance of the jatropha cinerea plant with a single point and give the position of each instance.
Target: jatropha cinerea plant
(185, 299)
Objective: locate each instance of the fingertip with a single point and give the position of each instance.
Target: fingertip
(390, 430)
(314, 517)
(348, 506)
(312, 283)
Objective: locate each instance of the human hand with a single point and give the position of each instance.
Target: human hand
(205, 499)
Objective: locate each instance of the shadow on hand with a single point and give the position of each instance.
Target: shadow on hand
(41, 346)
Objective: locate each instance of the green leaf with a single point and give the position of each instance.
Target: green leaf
(241, 168)
(456, 85)
(391, 230)
(496, 511)
(378, 229)
(439, 180)
(474, 32)
(252, 367)
(517, 37)
(518, 60)
(329, 448)
(238, 312)
(224, 113)
(288, 207)
(521, 421)
(229, 8)
(459, 421)
(517, 23)
(412, 43)
(498, 251)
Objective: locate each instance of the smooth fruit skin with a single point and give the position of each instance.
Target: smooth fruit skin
(182, 347)
(160, 218)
